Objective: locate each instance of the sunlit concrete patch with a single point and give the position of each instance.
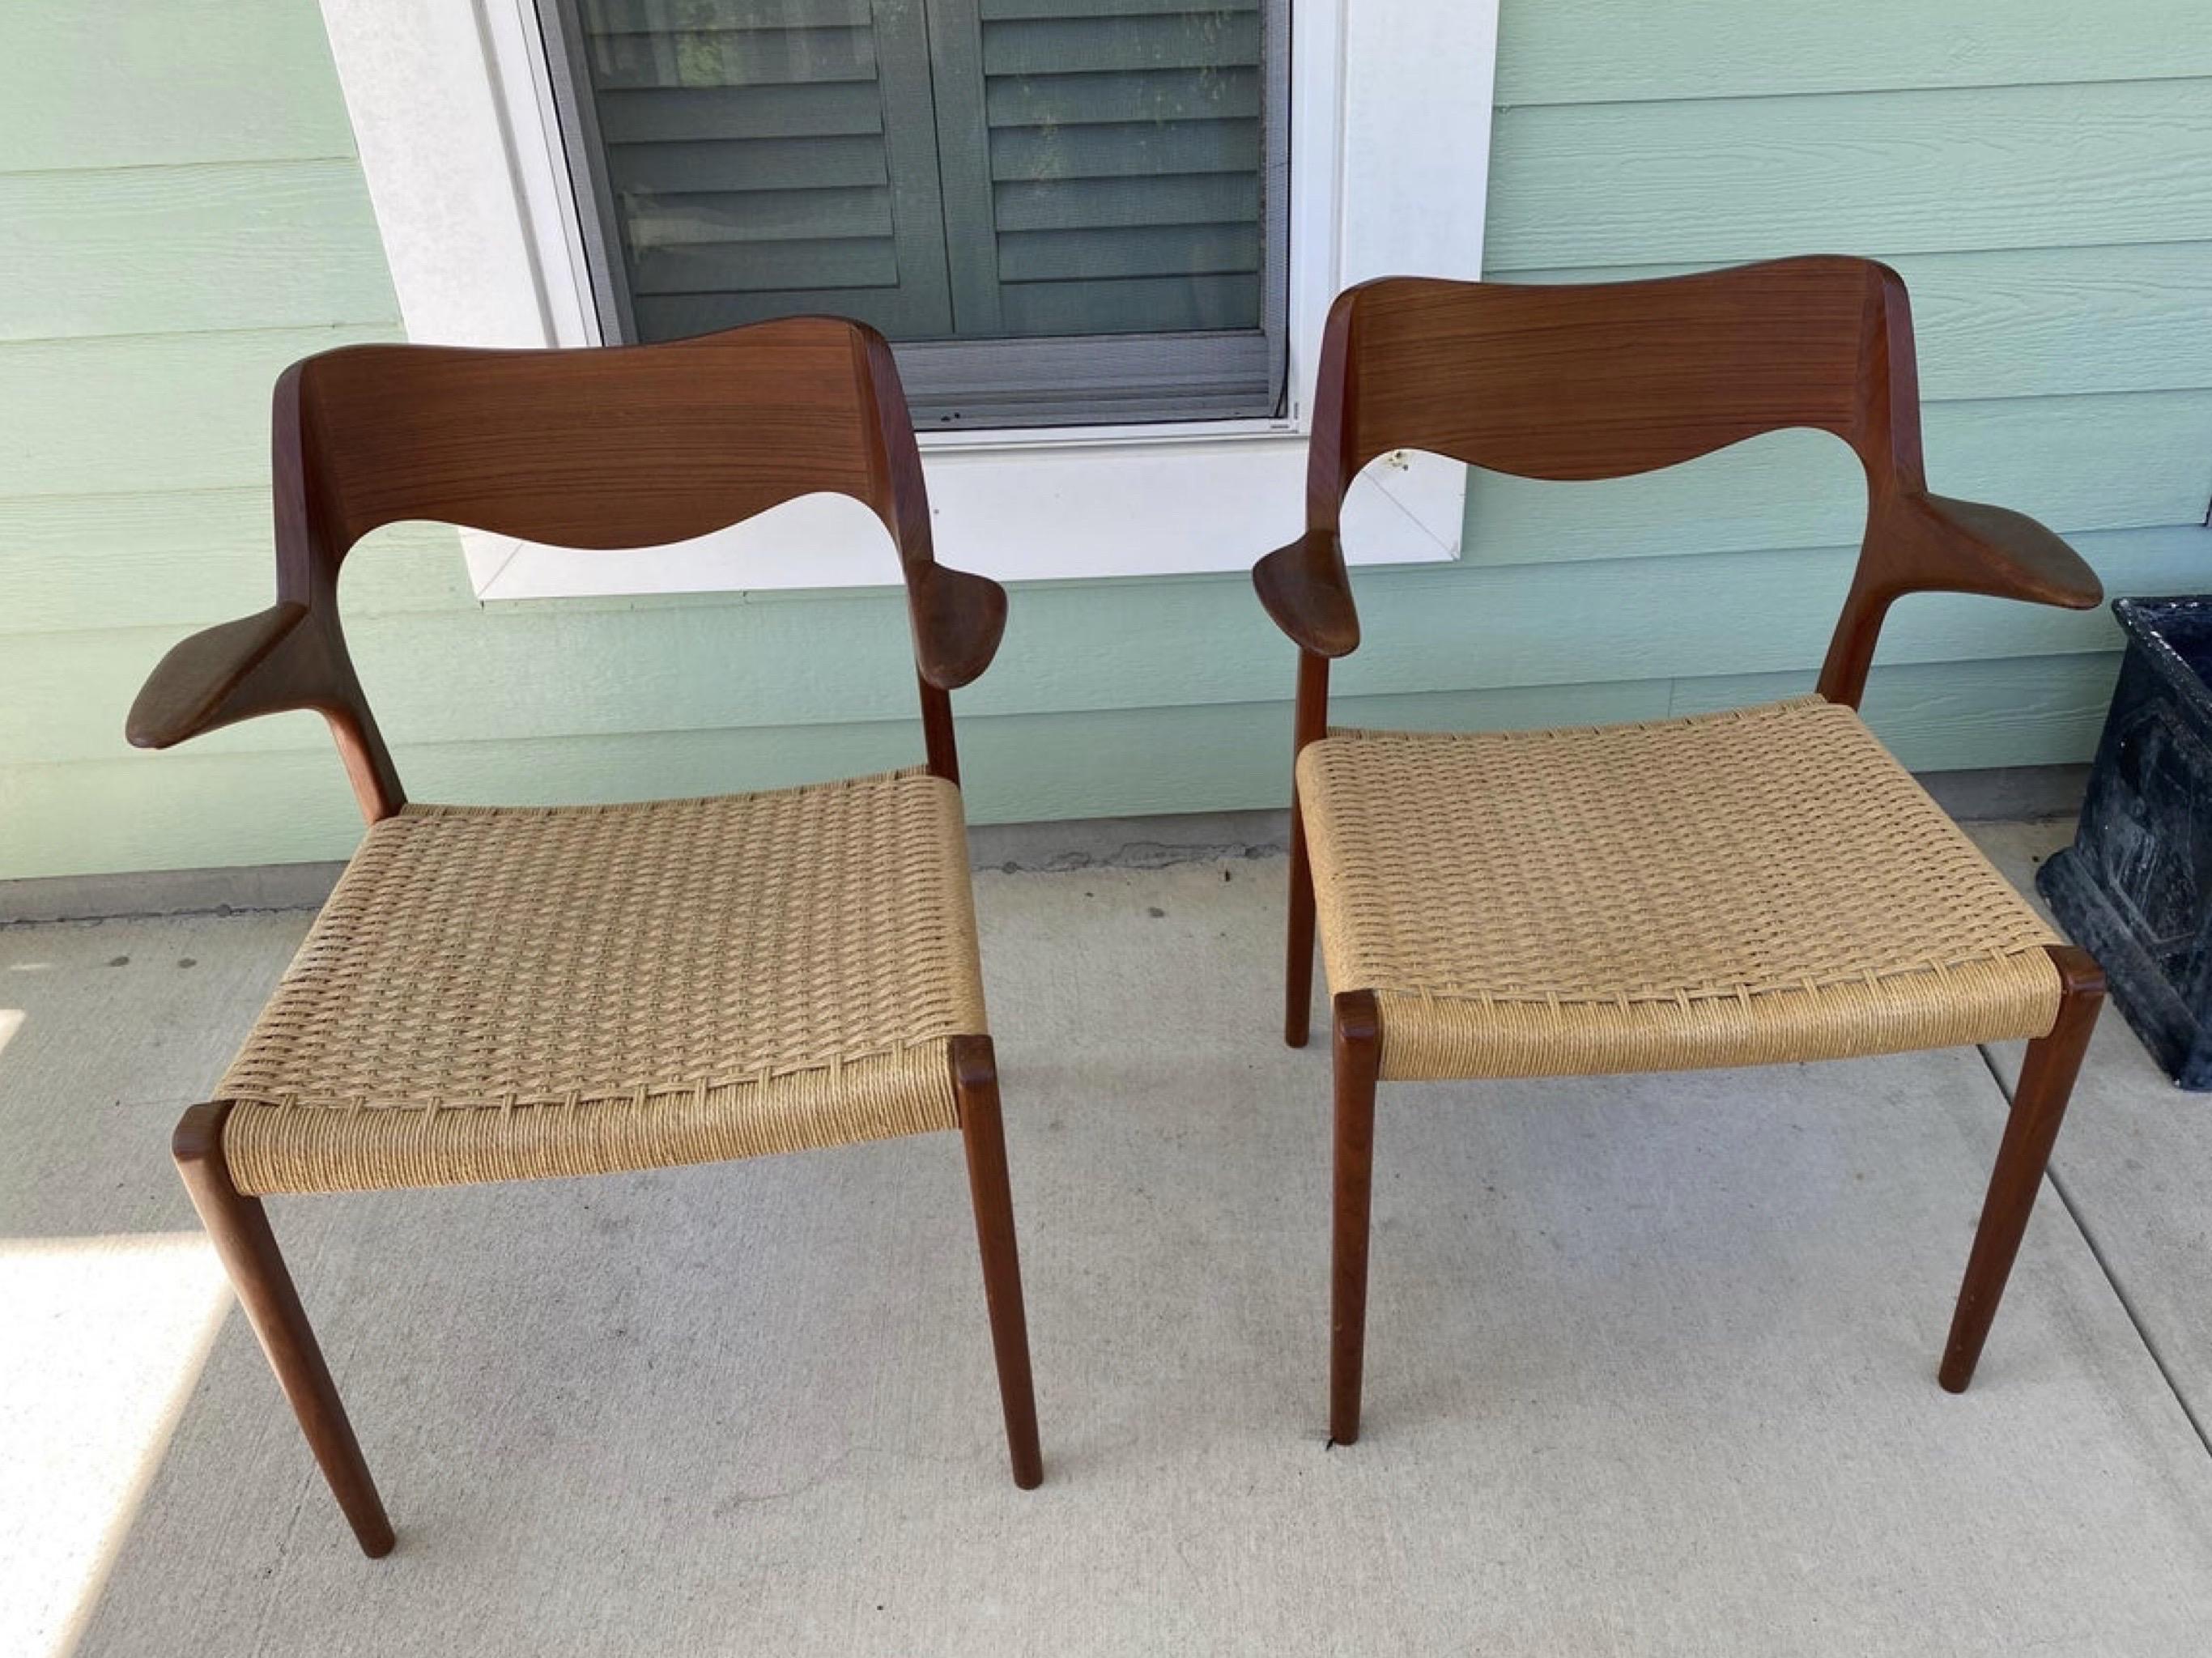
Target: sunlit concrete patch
(106, 1336)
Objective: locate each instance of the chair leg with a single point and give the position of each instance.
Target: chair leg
(2038, 1104)
(239, 1226)
(1358, 1054)
(1297, 973)
(976, 1079)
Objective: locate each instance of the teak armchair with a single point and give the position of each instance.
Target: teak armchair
(494, 993)
(1762, 885)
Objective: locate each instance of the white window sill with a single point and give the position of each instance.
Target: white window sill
(1026, 513)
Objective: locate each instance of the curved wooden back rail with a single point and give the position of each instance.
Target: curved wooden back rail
(1604, 380)
(618, 447)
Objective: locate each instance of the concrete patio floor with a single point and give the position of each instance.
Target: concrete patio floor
(1651, 1365)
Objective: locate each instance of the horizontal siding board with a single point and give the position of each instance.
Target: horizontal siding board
(187, 560)
(2078, 463)
(457, 677)
(1934, 716)
(178, 249)
(192, 808)
(1765, 613)
(1223, 757)
(140, 413)
(1136, 95)
(448, 678)
(821, 109)
(2036, 321)
(1433, 627)
(1573, 52)
(2128, 319)
(1885, 174)
(179, 810)
(165, 84)
(1195, 39)
(761, 164)
(1230, 757)
(196, 808)
(2026, 711)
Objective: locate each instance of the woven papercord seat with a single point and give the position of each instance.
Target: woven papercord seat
(1743, 888)
(501, 993)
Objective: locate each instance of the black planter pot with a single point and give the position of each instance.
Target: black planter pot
(2136, 887)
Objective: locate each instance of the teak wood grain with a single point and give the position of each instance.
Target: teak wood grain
(621, 446)
(1606, 379)
(626, 446)
(1602, 380)
(2040, 1098)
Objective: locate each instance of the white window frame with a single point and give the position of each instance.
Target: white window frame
(1390, 115)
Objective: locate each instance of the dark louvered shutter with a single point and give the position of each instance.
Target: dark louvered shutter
(1118, 160)
(1063, 209)
(768, 157)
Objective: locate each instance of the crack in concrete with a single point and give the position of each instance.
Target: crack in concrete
(2074, 1212)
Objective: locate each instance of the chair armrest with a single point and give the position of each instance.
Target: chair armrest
(1307, 590)
(1991, 550)
(260, 664)
(1930, 544)
(959, 620)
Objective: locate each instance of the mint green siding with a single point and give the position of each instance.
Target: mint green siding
(181, 216)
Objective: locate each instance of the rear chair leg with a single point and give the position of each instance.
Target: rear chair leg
(1358, 1055)
(1309, 726)
(239, 1228)
(2038, 1104)
(975, 1081)
(1297, 968)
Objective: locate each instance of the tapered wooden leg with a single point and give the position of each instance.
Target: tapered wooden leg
(239, 1226)
(975, 1078)
(1358, 1052)
(1297, 964)
(1311, 726)
(2038, 1104)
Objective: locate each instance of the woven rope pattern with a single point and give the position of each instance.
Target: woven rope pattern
(1735, 889)
(496, 993)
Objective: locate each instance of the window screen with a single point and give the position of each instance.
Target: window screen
(1060, 210)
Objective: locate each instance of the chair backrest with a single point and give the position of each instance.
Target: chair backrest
(1601, 380)
(620, 447)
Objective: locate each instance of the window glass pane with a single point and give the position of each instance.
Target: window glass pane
(1126, 164)
(956, 171)
(765, 157)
